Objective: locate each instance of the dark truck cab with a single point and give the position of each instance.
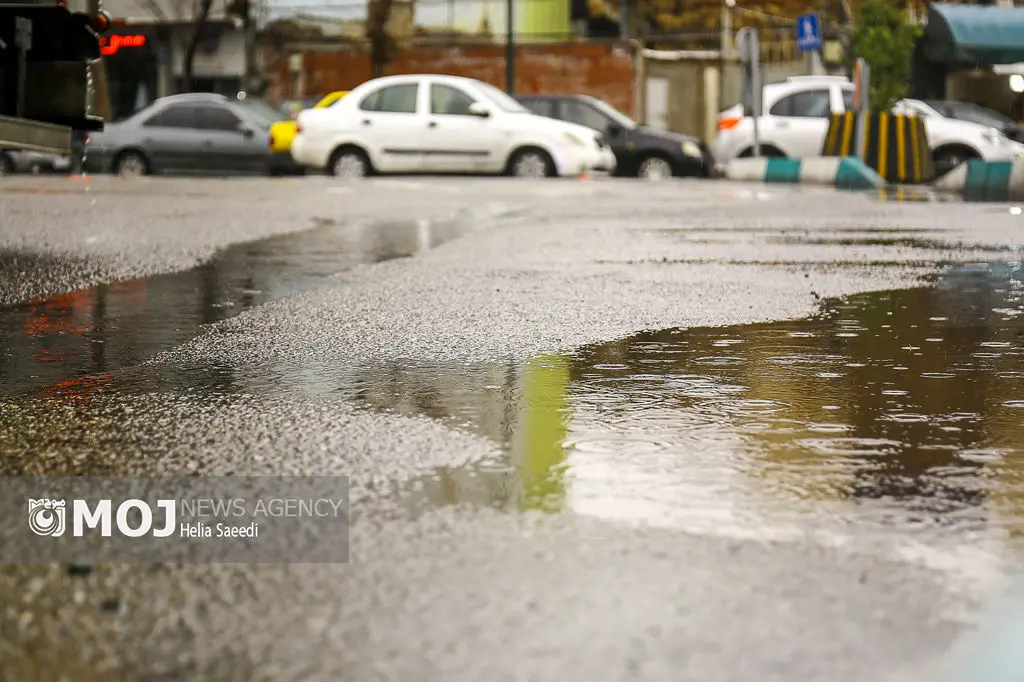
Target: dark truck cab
(49, 52)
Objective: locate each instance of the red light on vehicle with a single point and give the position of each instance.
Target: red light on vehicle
(111, 44)
(271, 140)
(298, 127)
(100, 22)
(728, 123)
(62, 3)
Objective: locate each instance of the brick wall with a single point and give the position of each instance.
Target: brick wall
(598, 69)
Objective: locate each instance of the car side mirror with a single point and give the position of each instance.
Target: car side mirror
(246, 131)
(477, 109)
(614, 130)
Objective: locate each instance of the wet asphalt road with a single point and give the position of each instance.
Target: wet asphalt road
(319, 300)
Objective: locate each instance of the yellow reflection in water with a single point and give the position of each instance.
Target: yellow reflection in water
(538, 448)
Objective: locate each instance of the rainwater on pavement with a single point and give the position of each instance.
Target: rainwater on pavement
(894, 415)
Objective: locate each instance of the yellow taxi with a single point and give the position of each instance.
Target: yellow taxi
(283, 132)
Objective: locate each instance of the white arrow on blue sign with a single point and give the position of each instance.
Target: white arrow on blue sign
(808, 32)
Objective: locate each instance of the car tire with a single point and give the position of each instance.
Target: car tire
(131, 165)
(349, 163)
(655, 167)
(6, 165)
(947, 158)
(767, 151)
(531, 162)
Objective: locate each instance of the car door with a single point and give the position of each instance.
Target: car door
(392, 126)
(798, 123)
(170, 138)
(229, 144)
(456, 140)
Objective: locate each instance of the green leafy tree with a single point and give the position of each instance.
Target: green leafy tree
(884, 38)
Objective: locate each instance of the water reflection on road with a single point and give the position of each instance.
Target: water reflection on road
(892, 415)
(67, 343)
(896, 412)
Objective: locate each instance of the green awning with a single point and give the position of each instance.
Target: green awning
(974, 34)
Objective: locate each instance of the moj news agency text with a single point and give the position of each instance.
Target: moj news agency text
(200, 517)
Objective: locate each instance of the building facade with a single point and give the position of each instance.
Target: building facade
(144, 54)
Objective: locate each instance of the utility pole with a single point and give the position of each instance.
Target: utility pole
(510, 49)
(727, 44)
(249, 26)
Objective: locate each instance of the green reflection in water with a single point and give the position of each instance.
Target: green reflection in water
(538, 447)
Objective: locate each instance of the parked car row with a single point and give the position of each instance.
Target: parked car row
(796, 121)
(446, 124)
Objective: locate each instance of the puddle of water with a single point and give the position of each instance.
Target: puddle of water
(799, 424)
(61, 340)
(894, 415)
(916, 194)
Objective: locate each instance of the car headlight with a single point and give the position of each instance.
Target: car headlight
(691, 148)
(574, 140)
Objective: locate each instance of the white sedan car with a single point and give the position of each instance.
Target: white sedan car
(442, 124)
(796, 121)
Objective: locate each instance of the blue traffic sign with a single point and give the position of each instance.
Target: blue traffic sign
(808, 32)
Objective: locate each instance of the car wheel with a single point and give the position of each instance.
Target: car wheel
(131, 165)
(6, 165)
(350, 163)
(948, 158)
(531, 163)
(654, 168)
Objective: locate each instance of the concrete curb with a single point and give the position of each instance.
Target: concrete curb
(985, 181)
(840, 172)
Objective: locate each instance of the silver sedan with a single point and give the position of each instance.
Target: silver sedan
(21, 161)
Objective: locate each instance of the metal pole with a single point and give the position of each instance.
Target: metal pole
(757, 88)
(726, 46)
(862, 94)
(510, 49)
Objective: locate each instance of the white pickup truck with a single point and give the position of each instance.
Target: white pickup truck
(796, 121)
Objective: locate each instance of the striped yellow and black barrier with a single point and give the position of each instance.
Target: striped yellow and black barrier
(897, 145)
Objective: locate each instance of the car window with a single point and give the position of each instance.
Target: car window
(216, 118)
(541, 107)
(575, 111)
(806, 104)
(444, 99)
(173, 116)
(975, 114)
(399, 99)
(260, 112)
(847, 100)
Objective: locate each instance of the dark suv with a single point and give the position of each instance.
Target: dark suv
(639, 151)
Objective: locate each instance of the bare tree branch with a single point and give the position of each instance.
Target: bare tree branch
(154, 8)
(202, 13)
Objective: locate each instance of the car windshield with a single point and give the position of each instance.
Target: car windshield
(503, 101)
(612, 113)
(966, 111)
(261, 112)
